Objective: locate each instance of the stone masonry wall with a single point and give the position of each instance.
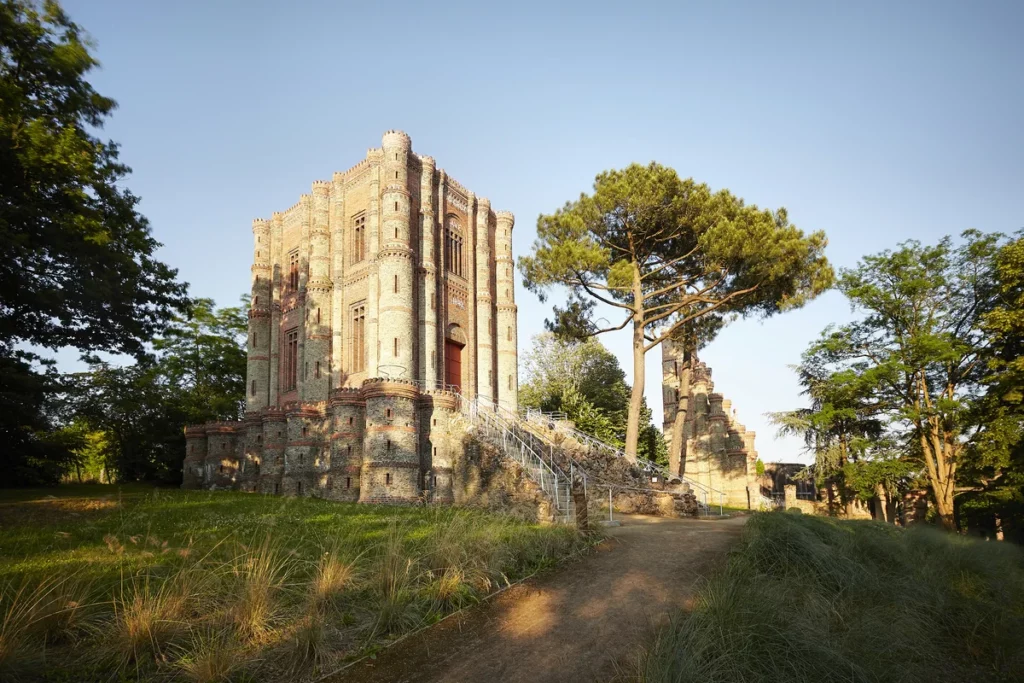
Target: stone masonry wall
(706, 441)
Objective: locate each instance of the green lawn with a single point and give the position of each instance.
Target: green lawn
(159, 583)
(809, 599)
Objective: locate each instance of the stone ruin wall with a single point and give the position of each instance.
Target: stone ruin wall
(706, 441)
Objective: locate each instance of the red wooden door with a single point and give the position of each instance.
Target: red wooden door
(453, 363)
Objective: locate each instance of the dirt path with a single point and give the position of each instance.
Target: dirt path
(576, 624)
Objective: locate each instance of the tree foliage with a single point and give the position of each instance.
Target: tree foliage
(583, 379)
(78, 267)
(914, 361)
(668, 254)
(196, 375)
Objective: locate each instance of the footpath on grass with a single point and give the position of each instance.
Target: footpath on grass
(583, 622)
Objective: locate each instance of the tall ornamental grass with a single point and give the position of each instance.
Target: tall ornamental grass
(809, 599)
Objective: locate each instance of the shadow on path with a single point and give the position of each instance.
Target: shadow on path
(574, 624)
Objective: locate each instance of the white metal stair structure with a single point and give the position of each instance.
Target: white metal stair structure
(706, 495)
(493, 425)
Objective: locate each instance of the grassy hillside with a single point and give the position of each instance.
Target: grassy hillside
(813, 599)
(157, 583)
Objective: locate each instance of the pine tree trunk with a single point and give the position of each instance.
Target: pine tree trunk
(636, 399)
(677, 458)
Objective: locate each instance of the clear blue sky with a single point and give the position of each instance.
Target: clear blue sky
(874, 121)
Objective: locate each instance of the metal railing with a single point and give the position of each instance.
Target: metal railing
(706, 496)
(498, 425)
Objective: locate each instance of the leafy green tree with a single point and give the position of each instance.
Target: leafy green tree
(78, 267)
(844, 431)
(584, 380)
(917, 352)
(197, 375)
(994, 461)
(667, 254)
(203, 356)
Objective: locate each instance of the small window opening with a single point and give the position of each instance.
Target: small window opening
(433, 482)
(389, 445)
(388, 413)
(318, 369)
(318, 313)
(300, 488)
(396, 284)
(350, 449)
(435, 421)
(396, 346)
(387, 478)
(396, 203)
(350, 422)
(348, 482)
(305, 430)
(259, 438)
(253, 389)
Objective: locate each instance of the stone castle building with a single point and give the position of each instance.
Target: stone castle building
(377, 300)
(706, 442)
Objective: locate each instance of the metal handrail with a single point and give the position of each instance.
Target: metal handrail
(646, 465)
(493, 418)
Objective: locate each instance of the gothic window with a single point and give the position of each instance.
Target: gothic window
(358, 237)
(293, 269)
(291, 358)
(359, 338)
(453, 246)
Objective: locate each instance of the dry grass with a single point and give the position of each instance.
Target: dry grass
(227, 586)
(210, 657)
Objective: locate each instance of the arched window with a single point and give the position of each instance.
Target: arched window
(453, 242)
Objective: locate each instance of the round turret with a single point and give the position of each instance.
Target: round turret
(396, 139)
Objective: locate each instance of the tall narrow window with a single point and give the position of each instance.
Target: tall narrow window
(252, 389)
(510, 333)
(359, 338)
(254, 340)
(396, 347)
(318, 369)
(293, 270)
(318, 316)
(387, 478)
(358, 237)
(396, 284)
(453, 246)
(291, 358)
(510, 382)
